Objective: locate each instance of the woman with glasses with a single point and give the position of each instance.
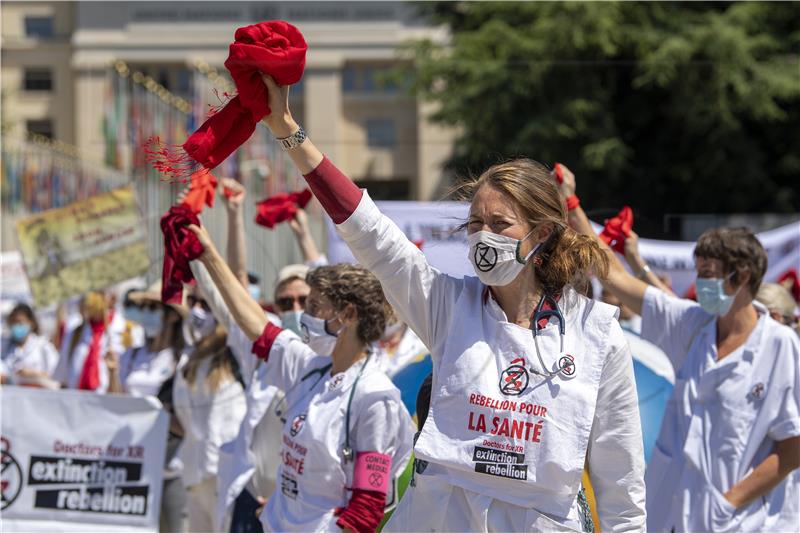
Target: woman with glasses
(346, 435)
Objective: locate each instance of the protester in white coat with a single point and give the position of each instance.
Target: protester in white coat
(515, 415)
(210, 404)
(28, 357)
(346, 435)
(731, 433)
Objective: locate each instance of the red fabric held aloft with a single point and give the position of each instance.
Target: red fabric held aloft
(617, 229)
(201, 192)
(281, 207)
(276, 48)
(181, 246)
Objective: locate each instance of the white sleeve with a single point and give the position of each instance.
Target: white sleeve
(383, 426)
(213, 297)
(615, 454)
(289, 360)
(50, 357)
(786, 423)
(320, 261)
(422, 296)
(671, 323)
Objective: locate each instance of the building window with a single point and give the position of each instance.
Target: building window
(40, 127)
(39, 27)
(369, 79)
(38, 79)
(380, 133)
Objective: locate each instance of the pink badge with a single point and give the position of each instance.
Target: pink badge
(372, 471)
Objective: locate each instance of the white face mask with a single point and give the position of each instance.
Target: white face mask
(151, 321)
(199, 324)
(291, 320)
(315, 333)
(495, 257)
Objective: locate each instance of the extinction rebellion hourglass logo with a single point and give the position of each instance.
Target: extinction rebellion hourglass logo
(11, 476)
(514, 379)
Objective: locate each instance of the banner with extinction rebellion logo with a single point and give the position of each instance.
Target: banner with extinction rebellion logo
(79, 461)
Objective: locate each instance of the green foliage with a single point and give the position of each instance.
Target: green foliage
(669, 107)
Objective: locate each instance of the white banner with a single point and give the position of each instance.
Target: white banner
(80, 461)
(431, 225)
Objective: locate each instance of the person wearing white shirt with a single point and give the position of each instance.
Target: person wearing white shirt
(346, 435)
(27, 356)
(531, 381)
(730, 438)
(210, 403)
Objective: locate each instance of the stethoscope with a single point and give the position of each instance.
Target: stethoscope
(563, 365)
(347, 450)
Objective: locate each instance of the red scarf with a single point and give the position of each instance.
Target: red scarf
(180, 247)
(281, 207)
(617, 229)
(276, 48)
(90, 374)
(201, 192)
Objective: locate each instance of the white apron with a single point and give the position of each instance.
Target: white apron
(313, 480)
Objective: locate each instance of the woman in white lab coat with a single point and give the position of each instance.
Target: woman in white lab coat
(531, 381)
(210, 403)
(29, 357)
(731, 432)
(346, 435)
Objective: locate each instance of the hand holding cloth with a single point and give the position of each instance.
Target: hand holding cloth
(281, 207)
(201, 192)
(181, 246)
(617, 229)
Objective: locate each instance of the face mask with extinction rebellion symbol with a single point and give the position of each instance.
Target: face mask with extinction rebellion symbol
(496, 257)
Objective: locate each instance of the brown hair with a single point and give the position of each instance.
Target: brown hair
(566, 255)
(26, 311)
(349, 284)
(739, 250)
(220, 368)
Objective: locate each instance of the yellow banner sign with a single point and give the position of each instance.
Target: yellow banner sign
(84, 246)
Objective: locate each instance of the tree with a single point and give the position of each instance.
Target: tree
(668, 107)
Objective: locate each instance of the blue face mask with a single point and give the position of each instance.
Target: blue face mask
(255, 291)
(711, 296)
(291, 320)
(19, 332)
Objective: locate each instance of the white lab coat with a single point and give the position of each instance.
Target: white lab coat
(142, 372)
(722, 420)
(70, 366)
(209, 419)
(313, 478)
(532, 482)
(252, 457)
(37, 353)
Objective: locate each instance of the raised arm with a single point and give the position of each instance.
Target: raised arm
(302, 233)
(234, 205)
(420, 294)
(626, 287)
(245, 310)
(640, 267)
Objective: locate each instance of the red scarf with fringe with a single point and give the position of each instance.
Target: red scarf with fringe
(276, 48)
(181, 246)
(281, 207)
(617, 230)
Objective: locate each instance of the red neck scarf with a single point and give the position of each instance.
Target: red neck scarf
(276, 48)
(90, 374)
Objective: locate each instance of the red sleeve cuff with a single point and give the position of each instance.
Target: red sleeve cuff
(573, 202)
(264, 343)
(364, 511)
(338, 195)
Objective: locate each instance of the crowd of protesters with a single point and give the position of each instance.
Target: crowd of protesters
(284, 417)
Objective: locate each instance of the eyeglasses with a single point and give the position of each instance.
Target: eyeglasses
(287, 302)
